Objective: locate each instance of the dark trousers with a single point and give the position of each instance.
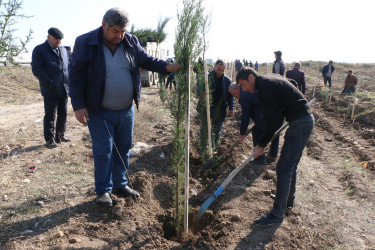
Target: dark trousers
(329, 79)
(216, 131)
(348, 90)
(295, 140)
(51, 107)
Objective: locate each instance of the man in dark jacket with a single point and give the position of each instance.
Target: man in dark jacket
(279, 99)
(278, 65)
(327, 72)
(297, 75)
(250, 108)
(104, 83)
(50, 64)
(350, 83)
(221, 100)
(238, 65)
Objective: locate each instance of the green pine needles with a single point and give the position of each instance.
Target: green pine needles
(188, 46)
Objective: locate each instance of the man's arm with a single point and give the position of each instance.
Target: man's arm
(303, 83)
(78, 75)
(38, 65)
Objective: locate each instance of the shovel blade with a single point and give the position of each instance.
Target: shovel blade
(209, 164)
(205, 205)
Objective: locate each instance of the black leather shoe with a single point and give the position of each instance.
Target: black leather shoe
(104, 199)
(268, 220)
(51, 144)
(126, 192)
(62, 139)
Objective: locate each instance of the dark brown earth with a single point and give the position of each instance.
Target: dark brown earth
(54, 208)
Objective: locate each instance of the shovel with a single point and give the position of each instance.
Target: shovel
(213, 196)
(212, 163)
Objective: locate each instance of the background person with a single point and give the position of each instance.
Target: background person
(350, 83)
(50, 64)
(256, 66)
(278, 65)
(297, 75)
(327, 72)
(105, 81)
(221, 100)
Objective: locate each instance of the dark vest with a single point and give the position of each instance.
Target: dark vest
(282, 67)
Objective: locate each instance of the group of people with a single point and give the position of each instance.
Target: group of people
(238, 65)
(268, 101)
(103, 82)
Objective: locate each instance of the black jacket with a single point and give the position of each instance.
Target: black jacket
(282, 66)
(279, 99)
(51, 70)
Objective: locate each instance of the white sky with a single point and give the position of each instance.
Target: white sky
(318, 30)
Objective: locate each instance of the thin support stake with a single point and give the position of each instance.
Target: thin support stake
(187, 140)
(208, 110)
(354, 102)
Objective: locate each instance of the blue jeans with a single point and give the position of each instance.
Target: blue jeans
(109, 168)
(51, 107)
(295, 141)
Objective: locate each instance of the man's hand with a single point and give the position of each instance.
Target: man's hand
(241, 138)
(258, 151)
(230, 113)
(172, 67)
(82, 116)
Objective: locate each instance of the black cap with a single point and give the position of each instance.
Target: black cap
(278, 53)
(55, 32)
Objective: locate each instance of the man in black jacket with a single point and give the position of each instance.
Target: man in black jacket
(297, 75)
(50, 64)
(279, 99)
(278, 65)
(221, 101)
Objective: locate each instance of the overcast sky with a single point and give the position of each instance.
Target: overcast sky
(318, 30)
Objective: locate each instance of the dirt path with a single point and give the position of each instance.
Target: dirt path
(334, 203)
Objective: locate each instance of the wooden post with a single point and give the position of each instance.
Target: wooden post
(234, 72)
(208, 111)
(187, 141)
(354, 102)
(330, 97)
(313, 94)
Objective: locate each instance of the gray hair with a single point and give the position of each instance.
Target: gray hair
(116, 17)
(234, 86)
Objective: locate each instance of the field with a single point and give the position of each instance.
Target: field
(54, 207)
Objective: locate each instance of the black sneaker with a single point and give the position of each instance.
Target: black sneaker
(126, 192)
(51, 144)
(268, 220)
(104, 199)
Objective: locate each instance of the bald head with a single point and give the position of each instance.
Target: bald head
(234, 89)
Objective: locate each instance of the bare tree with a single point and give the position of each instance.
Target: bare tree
(10, 48)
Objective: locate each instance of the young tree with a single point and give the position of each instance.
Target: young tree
(187, 48)
(9, 48)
